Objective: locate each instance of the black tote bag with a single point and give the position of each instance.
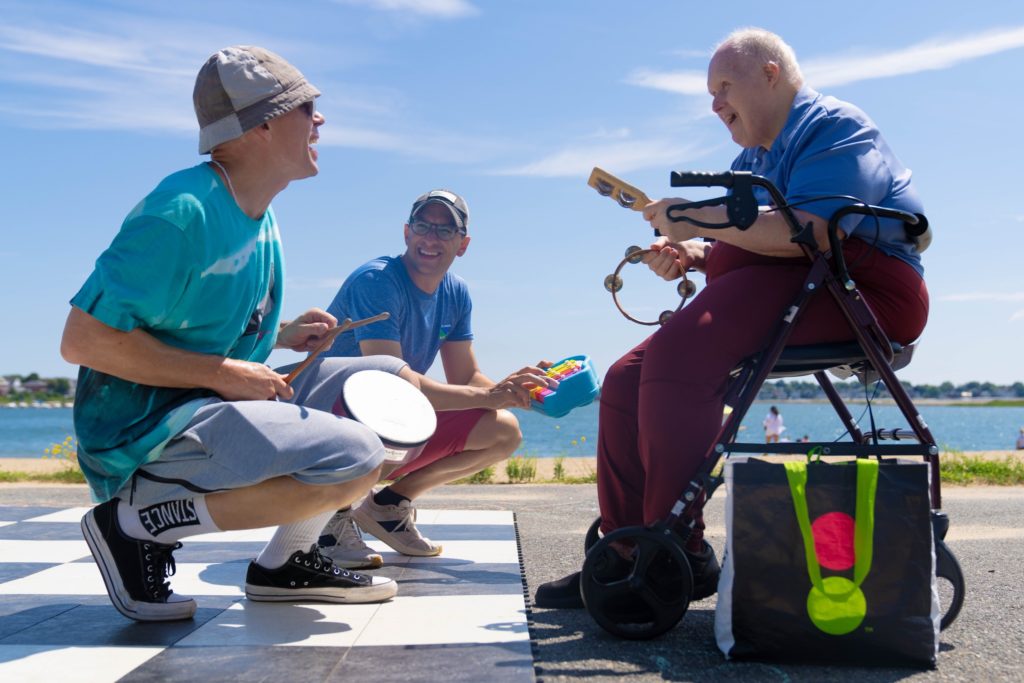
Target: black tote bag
(832, 563)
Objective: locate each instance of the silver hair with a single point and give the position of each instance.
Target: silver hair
(765, 46)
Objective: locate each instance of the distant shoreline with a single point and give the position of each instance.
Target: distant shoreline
(972, 402)
(573, 467)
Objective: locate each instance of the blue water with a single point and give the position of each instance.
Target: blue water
(28, 432)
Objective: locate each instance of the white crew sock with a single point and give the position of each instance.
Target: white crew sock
(291, 537)
(166, 522)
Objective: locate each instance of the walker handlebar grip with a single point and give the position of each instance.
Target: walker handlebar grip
(698, 179)
(919, 228)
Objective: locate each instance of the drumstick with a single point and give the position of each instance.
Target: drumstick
(346, 324)
(624, 193)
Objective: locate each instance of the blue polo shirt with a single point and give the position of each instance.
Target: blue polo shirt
(830, 147)
(421, 322)
(191, 269)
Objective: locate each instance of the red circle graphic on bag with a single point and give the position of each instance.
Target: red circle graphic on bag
(833, 540)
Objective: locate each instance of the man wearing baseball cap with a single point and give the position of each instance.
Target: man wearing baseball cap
(430, 311)
(171, 330)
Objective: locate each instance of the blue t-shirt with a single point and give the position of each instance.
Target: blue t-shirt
(830, 147)
(191, 269)
(419, 321)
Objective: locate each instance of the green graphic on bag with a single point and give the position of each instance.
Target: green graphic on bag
(836, 605)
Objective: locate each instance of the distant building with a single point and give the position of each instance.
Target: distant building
(36, 385)
(5, 386)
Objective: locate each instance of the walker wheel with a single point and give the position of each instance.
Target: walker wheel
(951, 584)
(654, 593)
(593, 536)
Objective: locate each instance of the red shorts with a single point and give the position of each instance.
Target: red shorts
(453, 428)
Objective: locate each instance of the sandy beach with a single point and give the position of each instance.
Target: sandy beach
(573, 467)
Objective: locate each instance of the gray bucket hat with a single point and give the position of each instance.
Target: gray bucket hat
(241, 87)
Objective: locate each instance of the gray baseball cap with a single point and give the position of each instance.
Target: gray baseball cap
(241, 87)
(455, 204)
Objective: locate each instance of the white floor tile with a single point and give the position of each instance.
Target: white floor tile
(68, 515)
(43, 551)
(503, 517)
(261, 535)
(500, 552)
(83, 578)
(30, 663)
(436, 620)
(296, 624)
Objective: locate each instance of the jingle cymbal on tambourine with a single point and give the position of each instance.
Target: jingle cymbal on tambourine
(613, 283)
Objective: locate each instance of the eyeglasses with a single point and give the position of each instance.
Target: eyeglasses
(309, 107)
(444, 231)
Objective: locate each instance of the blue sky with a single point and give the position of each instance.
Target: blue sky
(510, 104)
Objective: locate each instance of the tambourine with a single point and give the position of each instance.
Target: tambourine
(613, 283)
(630, 197)
(394, 409)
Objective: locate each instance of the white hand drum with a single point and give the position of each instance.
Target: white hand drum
(399, 414)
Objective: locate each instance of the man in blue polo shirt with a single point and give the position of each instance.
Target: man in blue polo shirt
(430, 312)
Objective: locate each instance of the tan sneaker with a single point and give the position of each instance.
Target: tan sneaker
(341, 541)
(396, 526)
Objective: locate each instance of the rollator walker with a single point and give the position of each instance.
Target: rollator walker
(871, 357)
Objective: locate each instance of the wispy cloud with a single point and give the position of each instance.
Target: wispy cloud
(990, 297)
(446, 9)
(930, 55)
(94, 49)
(624, 156)
(679, 82)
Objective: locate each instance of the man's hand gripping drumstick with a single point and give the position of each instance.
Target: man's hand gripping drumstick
(328, 339)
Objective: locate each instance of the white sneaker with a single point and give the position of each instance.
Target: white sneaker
(396, 526)
(342, 541)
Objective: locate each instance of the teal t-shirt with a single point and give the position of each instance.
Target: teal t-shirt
(191, 269)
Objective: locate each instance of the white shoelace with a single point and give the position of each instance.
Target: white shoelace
(347, 533)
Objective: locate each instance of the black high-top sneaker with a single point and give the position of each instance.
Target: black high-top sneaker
(135, 572)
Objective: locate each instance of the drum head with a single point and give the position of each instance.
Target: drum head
(394, 409)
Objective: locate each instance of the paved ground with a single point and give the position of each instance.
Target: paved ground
(985, 644)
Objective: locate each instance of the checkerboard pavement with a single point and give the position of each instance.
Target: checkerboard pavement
(460, 616)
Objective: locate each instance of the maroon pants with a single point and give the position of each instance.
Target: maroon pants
(662, 403)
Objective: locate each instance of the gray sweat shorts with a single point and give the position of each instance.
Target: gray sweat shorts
(234, 444)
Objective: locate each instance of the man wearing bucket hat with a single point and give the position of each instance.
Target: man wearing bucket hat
(171, 331)
(430, 314)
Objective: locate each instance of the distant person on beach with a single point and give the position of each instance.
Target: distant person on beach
(182, 428)
(662, 403)
(773, 426)
(1020, 439)
(430, 310)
